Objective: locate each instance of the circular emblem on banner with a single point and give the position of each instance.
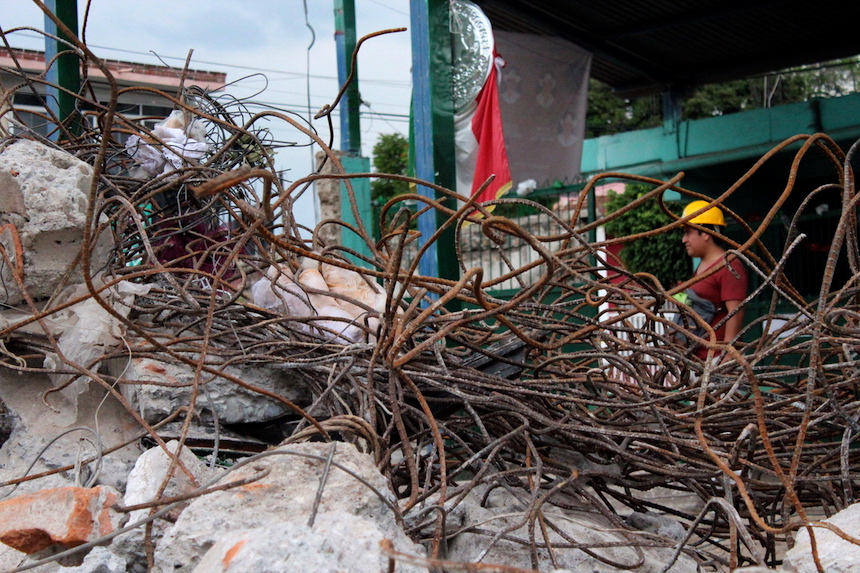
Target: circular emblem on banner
(472, 36)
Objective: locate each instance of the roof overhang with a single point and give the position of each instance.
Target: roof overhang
(657, 45)
(125, 73)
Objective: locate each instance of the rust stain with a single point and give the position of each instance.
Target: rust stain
(232, 552)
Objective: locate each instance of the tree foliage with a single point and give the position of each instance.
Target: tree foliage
(663, 255)
(390, 155)
(741, 95)
(609, 113)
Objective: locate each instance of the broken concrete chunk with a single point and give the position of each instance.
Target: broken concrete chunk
(144, 482)
(333, 545)
(99, 560)
(837, 555)
(657, 524)
(149, 472)
(502, 512)
(68, 516)
(158, 388)
(44, 194)
(12, 204)
(86, 330)
(286, 496)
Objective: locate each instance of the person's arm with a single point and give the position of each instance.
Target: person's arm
(736, 322)
(734, 290)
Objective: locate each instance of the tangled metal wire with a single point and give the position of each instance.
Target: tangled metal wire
(553, 393)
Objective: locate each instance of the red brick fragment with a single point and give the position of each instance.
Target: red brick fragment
(66, 516)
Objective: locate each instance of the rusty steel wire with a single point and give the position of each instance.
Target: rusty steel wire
(605, 405)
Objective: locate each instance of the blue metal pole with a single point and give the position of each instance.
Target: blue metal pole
(422, 109)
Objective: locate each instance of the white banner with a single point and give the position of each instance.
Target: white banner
(543, 96)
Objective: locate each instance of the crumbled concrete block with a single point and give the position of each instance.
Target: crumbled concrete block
(160, 388)
(280, 504)
(336, 543)
(837, 555)
(44, 196)
(67, 516)
(144, 483)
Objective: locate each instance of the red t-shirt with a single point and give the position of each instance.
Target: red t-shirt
(720, 287)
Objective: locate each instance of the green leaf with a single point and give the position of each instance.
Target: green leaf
(663, 255)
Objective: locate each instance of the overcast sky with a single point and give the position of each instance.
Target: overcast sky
(273, 37)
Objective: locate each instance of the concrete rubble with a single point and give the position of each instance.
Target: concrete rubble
(294, 546)
(836, 554)
(145, 484)
(43, 193)
(221, 400)
(494, 513)
(350, 520)
(274, 523)
(132, 410)
(68, 517)
(278, 508)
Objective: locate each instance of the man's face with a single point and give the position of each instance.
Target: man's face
(695, 241)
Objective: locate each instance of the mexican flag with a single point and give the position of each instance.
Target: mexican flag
(480, 143)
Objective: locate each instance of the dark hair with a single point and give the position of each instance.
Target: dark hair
(717, 236)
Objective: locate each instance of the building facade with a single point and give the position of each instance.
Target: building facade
(142, 90)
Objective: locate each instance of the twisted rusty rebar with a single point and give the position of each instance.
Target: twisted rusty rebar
(605, 405)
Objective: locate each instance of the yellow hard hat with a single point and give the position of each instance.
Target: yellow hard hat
(712, 216)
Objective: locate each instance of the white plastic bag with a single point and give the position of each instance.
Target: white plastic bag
(181, 143)
(87, 331)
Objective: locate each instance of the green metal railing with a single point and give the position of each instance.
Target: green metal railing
(500, 255)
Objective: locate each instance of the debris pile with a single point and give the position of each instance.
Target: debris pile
(539, 432)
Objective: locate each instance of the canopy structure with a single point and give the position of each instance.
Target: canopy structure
(654, 45)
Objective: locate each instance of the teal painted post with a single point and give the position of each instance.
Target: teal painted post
(350, 134)
(361, 190)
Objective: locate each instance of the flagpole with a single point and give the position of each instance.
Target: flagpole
(433, 120)
(422, 107)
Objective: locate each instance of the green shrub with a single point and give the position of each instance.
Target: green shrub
(663, 255)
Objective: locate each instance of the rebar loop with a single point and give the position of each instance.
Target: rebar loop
(572, 391)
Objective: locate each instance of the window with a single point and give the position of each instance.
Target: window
(23, 121)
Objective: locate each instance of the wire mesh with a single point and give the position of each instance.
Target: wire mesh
(548, 393)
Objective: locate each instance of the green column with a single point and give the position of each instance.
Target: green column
(345, 40)
(66, 71)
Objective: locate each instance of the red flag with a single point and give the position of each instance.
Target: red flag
(482, 142)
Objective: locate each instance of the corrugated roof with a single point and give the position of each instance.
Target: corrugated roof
(649, 45)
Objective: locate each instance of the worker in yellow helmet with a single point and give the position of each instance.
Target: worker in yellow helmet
(726, 288)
